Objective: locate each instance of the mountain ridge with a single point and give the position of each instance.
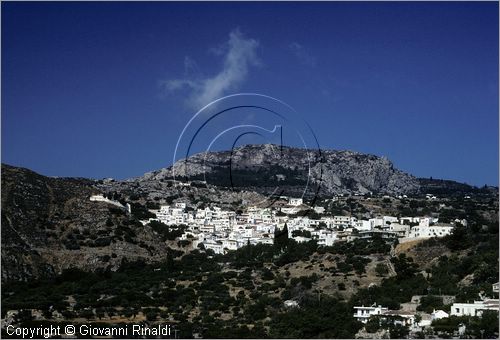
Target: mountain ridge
(335, 171)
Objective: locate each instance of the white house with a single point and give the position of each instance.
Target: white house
(363, 225)
(324, 237)
(376, 222)
(401, 230)
(364, 313)
(98, 198)
(495, 288)
(301, 239)
(474, 309)
(295, 201)
(328, 221)
(291, 304)
(344, 221)
(180, 205)
(230, 244)
(216, 246)
(430, 231)
(426, 221)
(265, 228)
(439, 314)
(207, 228)
(319, 210)
(101, 198)
(248, 231)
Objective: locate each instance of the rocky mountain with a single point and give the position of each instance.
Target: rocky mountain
(264, 168)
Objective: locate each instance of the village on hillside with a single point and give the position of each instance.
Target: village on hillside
(220, 231)
(223, 230)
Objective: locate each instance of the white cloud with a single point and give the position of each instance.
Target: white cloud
(239, 55)
(302, 54)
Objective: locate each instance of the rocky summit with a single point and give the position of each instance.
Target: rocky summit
(263, 168)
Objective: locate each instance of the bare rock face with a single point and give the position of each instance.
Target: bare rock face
(264, 167)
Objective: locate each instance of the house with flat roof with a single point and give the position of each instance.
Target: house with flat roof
(474, 309)
(364, 313)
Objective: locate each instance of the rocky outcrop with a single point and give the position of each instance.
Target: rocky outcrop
(264, 167)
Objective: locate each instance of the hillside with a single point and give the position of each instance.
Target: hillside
(49, 224)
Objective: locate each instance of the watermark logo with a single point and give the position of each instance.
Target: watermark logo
(259, 131)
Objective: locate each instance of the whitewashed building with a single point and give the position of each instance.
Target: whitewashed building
(364, 313)
(363, 225)
(439, 314)
(474, 309)
(430, 231)
(216, 246)
(295, 201)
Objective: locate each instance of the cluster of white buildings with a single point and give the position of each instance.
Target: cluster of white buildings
(347, 228)
(408, 317)
(222, 230)
(402, 317)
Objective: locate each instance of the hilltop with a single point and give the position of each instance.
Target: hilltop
(263, 167)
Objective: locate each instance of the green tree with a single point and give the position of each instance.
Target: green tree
(281, 237)
(381, 269)
(429, 303)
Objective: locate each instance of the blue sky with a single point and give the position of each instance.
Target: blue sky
(104, 89)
